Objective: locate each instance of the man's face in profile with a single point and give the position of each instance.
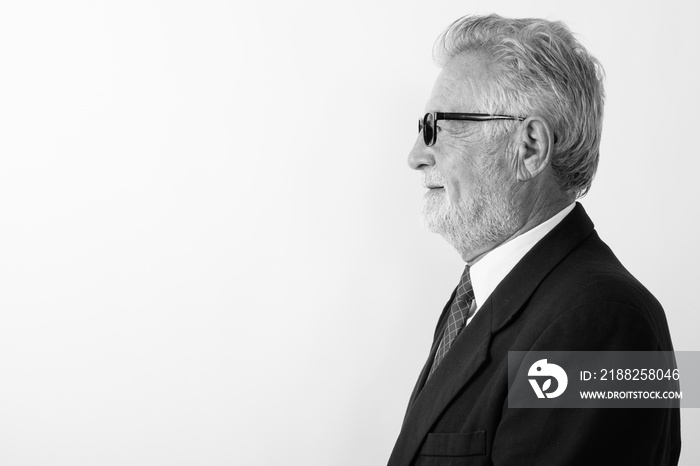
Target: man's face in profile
(470, 198)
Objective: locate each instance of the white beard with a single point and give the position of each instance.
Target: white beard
(488, 216)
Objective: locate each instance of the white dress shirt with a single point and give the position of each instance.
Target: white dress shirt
(489, 270)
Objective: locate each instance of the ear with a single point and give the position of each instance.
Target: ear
(534, 143)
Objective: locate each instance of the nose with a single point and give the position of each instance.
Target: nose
(421, 156)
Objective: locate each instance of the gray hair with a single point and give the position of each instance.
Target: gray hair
(543, 69)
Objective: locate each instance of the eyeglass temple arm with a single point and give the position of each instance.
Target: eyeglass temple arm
(474, 116)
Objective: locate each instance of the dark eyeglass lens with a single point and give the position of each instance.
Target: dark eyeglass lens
(428, 129)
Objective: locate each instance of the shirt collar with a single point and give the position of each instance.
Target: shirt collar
(493, 267)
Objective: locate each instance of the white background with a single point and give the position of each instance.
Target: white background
(209, 242)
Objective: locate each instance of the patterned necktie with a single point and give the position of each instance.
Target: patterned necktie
(459, 313)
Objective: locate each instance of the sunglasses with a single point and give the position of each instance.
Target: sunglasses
(427, 124)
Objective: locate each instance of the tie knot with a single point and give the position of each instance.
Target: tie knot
(465, 292)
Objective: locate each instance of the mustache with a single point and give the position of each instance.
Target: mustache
(432, 178)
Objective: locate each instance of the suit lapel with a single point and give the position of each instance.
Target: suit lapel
(468, 353)
(516, 288)
(429, 363)
(470, 350)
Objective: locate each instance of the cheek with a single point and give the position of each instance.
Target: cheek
(457, 163)
(460, 181)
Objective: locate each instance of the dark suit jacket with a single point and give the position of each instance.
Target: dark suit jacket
(569, 293)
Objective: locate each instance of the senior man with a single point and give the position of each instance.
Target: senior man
(509, 142)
